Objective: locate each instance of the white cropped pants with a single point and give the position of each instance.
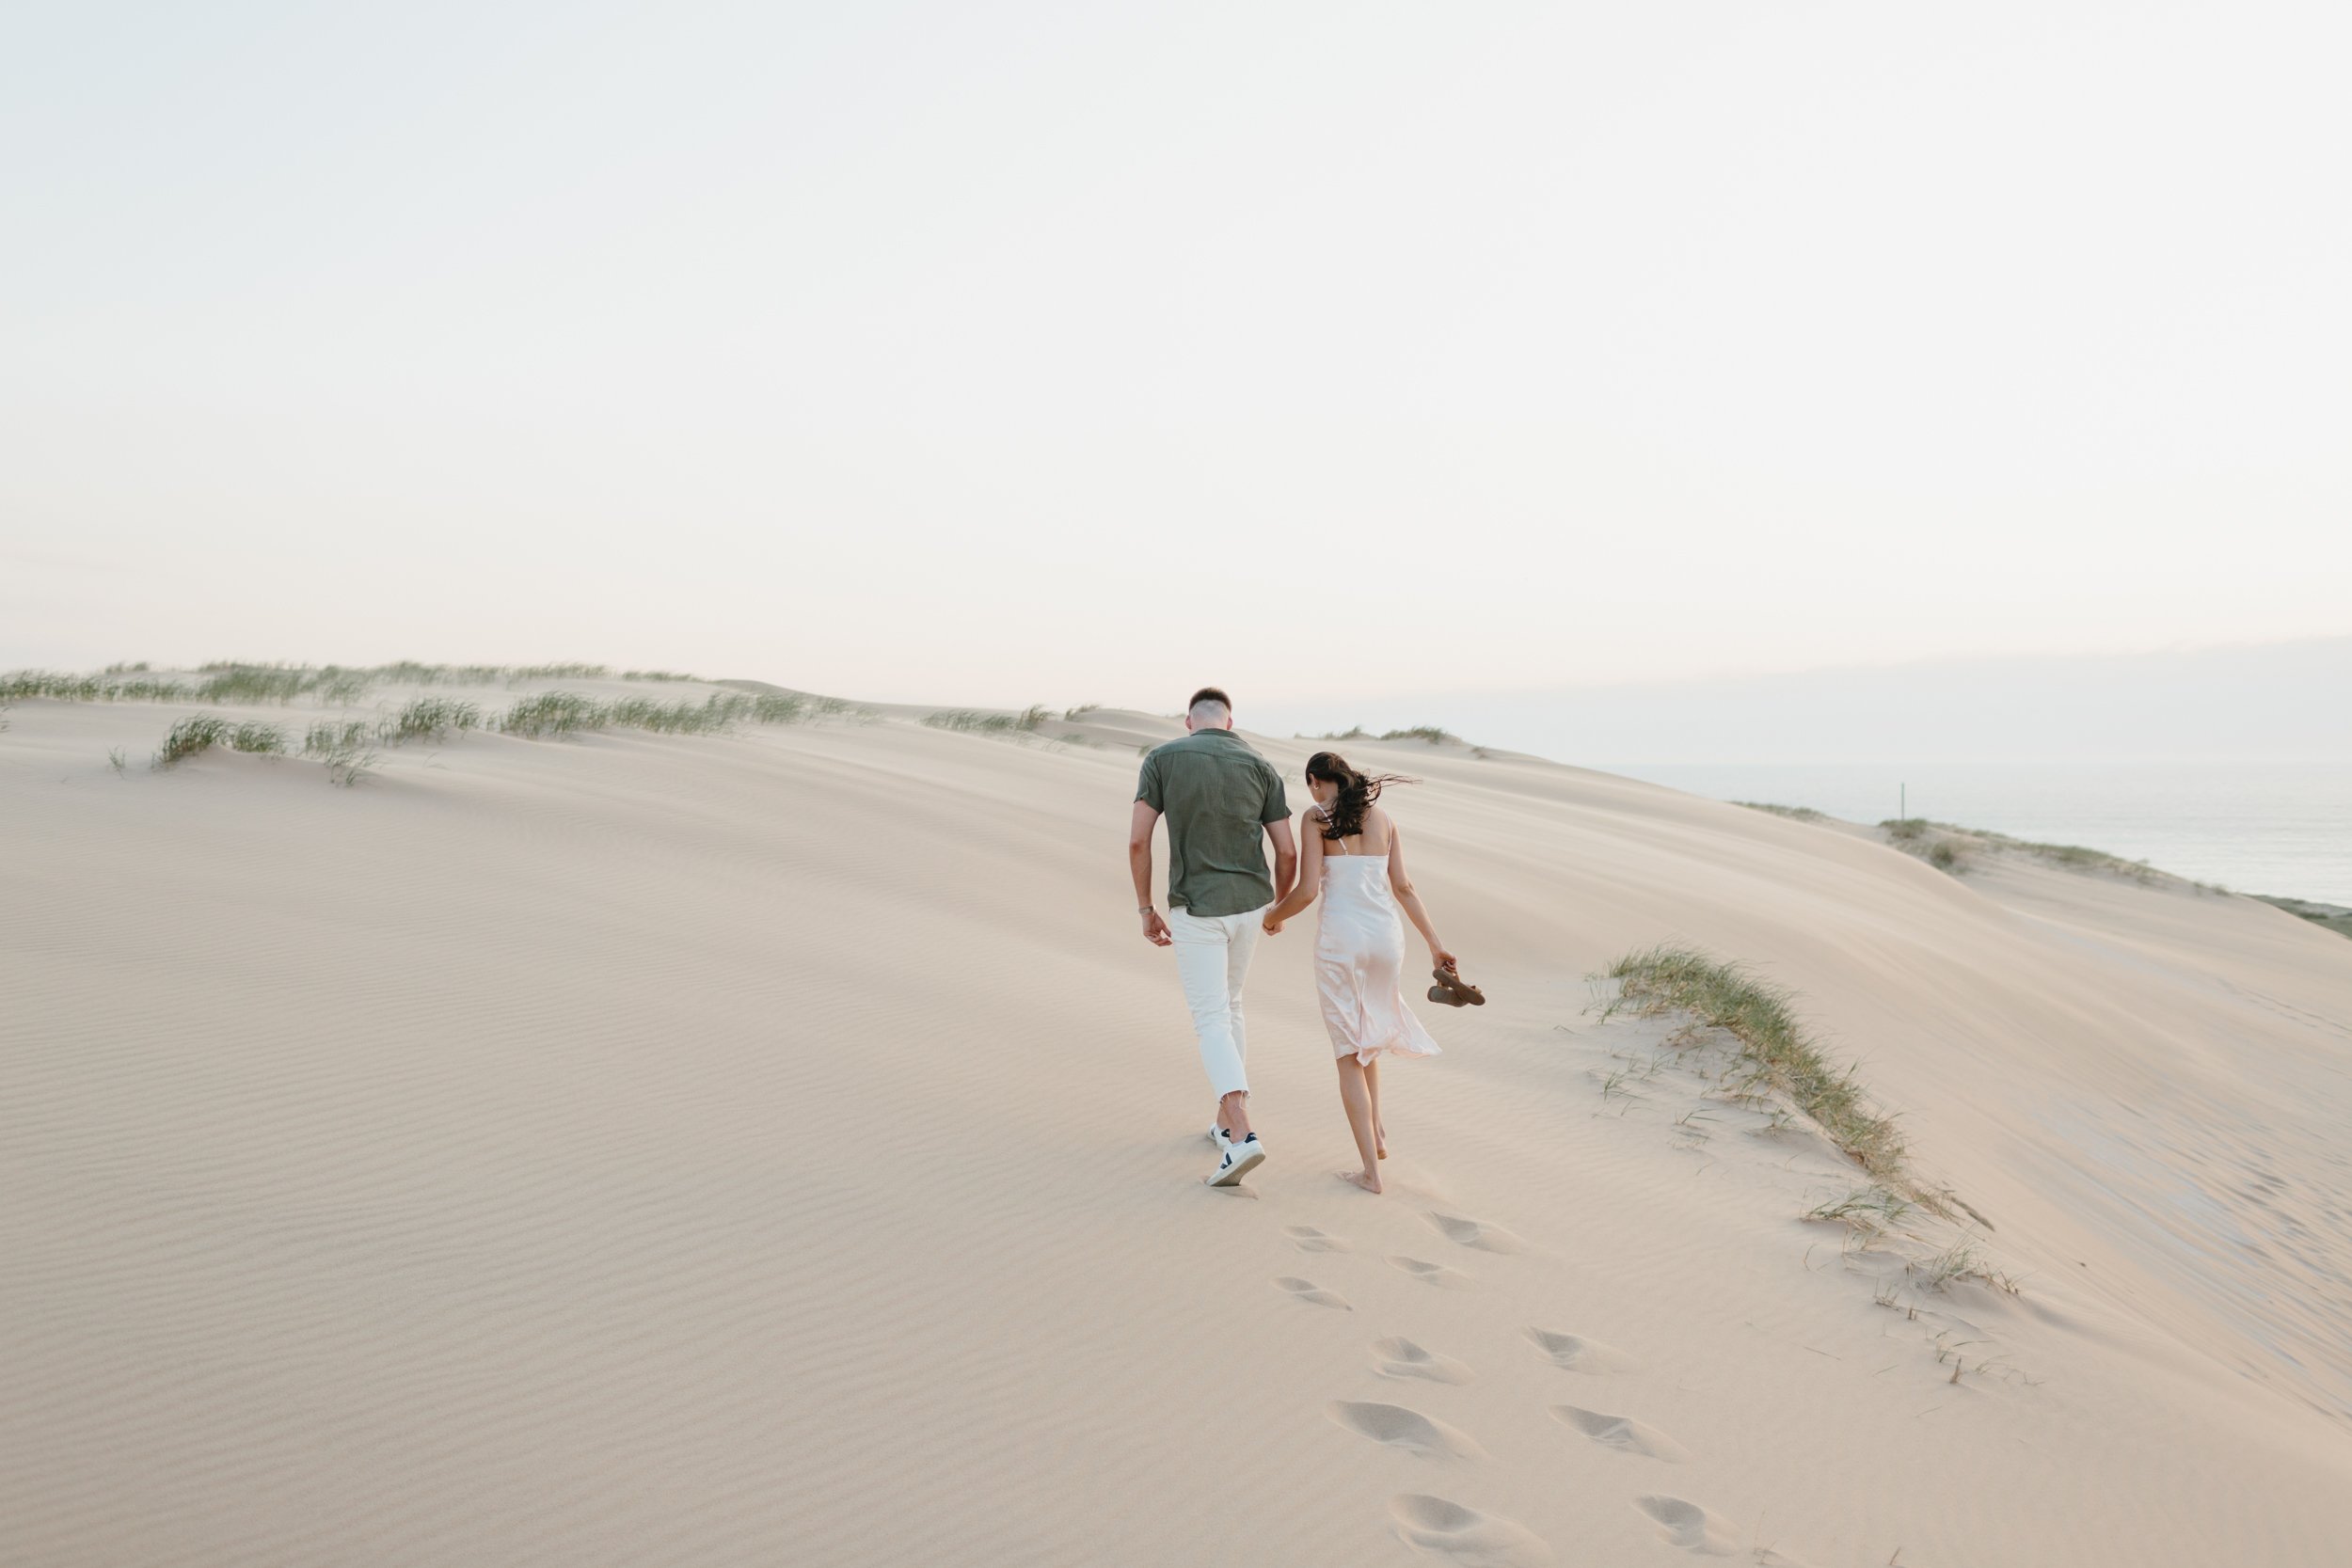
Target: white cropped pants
(1212, 959)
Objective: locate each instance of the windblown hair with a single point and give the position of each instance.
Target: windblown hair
(1358, 791)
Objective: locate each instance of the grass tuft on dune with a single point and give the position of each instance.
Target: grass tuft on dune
(432, 719)
(54, 686)
(1428, 735)
(1794, 814)
(559, 714)
(1948, 846)
(972, 720)
(1782, 1053)
(198, 734)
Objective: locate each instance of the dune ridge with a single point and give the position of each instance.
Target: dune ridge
(777, 1146)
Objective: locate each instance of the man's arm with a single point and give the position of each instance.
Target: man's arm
(1139, 827)
(1285, 857)
(1274, 815)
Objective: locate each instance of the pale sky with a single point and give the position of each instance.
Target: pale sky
(997, 354)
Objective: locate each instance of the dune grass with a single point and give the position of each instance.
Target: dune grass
(1867, 1209)
(252, 684)
(348, 745)
(2074, 857)
(235, 681)
(199, 733)
(409, 672)
(1781, 1052)
(343, 745)
(714, 715)
(553, 713)
(2331, 917)
(333, 686)
(1794, 814)
(1782, 1060)
(1951, 847)
(1428, 735)
(429, 718)
(24, 684)
(775, 707)
(557, 714)
(1916, 835)
(973, 722)
(189, 737)
(1948, 846)
(329, 735)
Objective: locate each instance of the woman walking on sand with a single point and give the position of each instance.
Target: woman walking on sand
(1355, 857)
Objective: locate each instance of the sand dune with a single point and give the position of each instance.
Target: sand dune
(779, 1148)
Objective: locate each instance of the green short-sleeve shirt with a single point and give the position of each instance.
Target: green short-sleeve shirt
(1217, 795)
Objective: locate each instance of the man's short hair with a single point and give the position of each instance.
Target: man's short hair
(1210, 706)
(1210, 694)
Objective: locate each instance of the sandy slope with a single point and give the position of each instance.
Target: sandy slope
(781, 1149)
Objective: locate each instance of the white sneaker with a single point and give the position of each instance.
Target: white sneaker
(1218, 1136)
(1239, 1161)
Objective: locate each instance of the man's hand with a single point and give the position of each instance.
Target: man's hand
(1272, 927)
(1154, 928)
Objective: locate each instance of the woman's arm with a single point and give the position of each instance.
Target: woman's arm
(1410, 901)
(1309, 874)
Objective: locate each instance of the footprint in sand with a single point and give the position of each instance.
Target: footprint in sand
(1307, 1238)
(1688, 1526)
(1400, 1428)
(1433, 1274)
(1307, 1290)
(1441, 1528)
(1621, 1433)
(1473, 1233)
(1404, 1358)
(1577, 1353)
(1696, 1529)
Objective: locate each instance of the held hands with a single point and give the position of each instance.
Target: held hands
(1154, 928)
(1272, 927)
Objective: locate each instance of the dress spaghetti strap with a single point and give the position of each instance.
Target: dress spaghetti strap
(1324, 813)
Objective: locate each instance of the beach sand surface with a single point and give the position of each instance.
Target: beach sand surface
(781, 1148)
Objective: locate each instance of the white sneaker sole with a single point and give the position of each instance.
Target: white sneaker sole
(1242, 1167)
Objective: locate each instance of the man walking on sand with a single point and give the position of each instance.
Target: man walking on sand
(1221, 798)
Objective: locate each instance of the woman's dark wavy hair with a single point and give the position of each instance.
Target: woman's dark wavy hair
(1358, 791)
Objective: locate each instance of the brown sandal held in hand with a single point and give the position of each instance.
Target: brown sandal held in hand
(1454, 990)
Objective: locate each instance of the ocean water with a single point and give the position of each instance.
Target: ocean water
(2282, 829)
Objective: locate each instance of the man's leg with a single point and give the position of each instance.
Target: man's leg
(1241, 947)
(1204, 964)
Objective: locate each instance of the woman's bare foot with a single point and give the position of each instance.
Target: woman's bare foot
(1380, 1141)
(1364, 1178)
